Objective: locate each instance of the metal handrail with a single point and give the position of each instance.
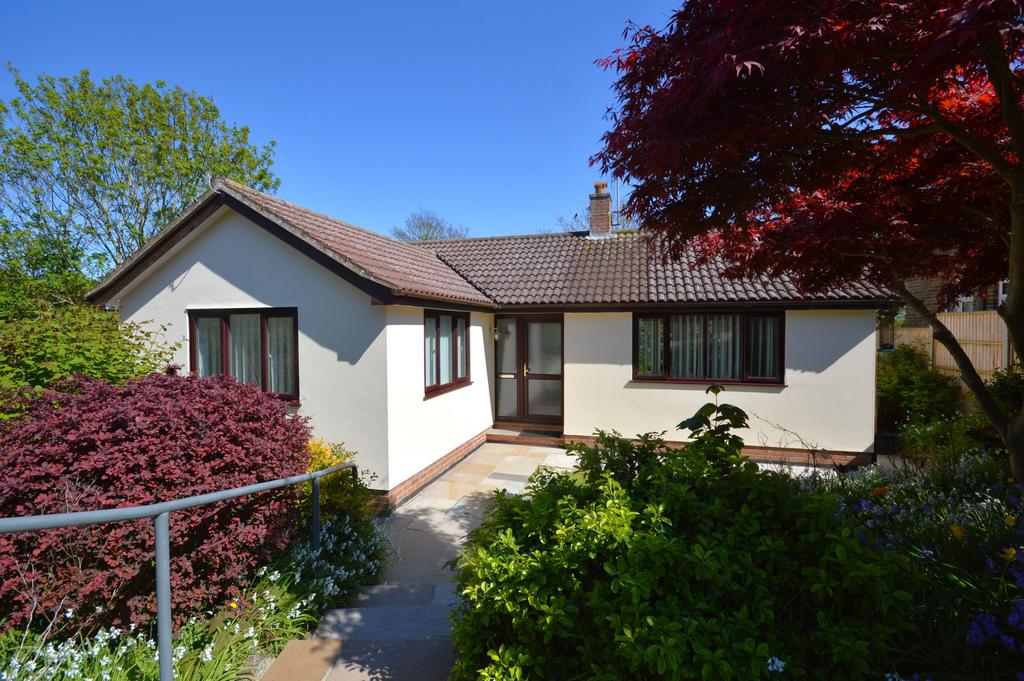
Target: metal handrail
(160, 513)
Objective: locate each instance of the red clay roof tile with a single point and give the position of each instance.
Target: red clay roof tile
(573, 269)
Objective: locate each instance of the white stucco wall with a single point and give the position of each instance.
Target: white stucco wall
(230, 262)
(420, 431)
(827, 402)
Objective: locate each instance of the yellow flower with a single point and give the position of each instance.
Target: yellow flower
(959, 531)
(235, 606)
(1010, 553)
(1009, 520)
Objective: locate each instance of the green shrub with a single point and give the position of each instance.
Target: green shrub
(945, 440)
(341, 494)
(959, 521)
(912, 391)
(76, 339)
(651, 562)
(1007, 387)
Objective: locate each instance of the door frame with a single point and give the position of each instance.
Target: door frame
(522, 381)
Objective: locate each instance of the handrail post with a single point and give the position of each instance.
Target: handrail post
(161, 524)
(316, 514)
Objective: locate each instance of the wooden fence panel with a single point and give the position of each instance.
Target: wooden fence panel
(981, 334)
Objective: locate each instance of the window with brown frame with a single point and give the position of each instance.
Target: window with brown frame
(445, 351)
(258, 346)
(709, 347)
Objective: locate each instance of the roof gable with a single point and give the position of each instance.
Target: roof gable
(386, 269)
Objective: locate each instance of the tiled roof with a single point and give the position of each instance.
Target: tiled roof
(570, 268)
(403, 268)
(542, 269)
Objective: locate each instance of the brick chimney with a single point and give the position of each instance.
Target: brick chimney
(600, 211)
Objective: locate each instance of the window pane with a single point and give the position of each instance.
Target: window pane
(544, 348)
(505, 346)
(245, 348)
(686, 346)
(207, 342)
(764, 347)
(545, 397)
(444, 347)
(506, 394)
(281, 355)
(430, 350)
(650, 347)
(463, 341)
(724, 346)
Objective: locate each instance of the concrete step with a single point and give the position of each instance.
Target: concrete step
(393, 612)
(393, 660)
(383, 595)
(304, 660)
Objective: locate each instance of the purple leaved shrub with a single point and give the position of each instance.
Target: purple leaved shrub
(84, 444)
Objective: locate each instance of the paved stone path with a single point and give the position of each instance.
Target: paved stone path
(400, 630)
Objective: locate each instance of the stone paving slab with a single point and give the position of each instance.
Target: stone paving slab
(304, 660)
(390, 623)
(394, 661)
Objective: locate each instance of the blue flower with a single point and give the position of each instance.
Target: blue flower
(776, 665)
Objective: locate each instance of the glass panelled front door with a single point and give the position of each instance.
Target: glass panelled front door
(528, 362)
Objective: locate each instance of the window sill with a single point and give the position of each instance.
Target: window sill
(707, 383)
(434, 392)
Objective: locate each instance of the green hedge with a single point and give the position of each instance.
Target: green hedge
(650, 562)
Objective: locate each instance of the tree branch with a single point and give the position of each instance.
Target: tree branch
(1002, 78)
(973, 143)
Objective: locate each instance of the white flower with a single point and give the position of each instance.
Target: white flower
(69, 613)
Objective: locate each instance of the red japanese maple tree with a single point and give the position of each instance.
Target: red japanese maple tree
(833, 141)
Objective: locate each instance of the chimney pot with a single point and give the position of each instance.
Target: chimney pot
(600, 210)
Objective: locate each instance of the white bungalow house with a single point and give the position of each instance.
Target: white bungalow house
(415, 354)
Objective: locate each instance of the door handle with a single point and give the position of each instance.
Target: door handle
(526, 370)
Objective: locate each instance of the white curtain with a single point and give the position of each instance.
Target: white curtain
(686, 334)
(245, 348)
(444, 347)
(281, 355)
(430, 350)
(650, 347)
(764, 334)
(207, 346)
(724, 346)
(463, 340)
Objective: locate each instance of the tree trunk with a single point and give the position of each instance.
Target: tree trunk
(1012, 312)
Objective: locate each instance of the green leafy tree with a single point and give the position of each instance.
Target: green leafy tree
(63, 340)
(90, 170)
(426, 225)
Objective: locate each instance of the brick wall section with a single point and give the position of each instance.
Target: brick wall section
(928, 291)
(600, 209)
(388, 501)
(800, 457)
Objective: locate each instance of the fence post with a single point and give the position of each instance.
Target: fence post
(161, 524)
(316, 514)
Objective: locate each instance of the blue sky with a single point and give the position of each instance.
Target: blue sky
(484, 112)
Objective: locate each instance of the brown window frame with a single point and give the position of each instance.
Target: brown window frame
(265, 313)
(457, 381)
(745, 377)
